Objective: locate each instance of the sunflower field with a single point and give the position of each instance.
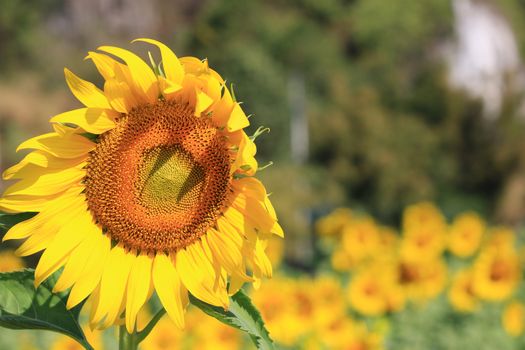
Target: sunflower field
(430, 283)
(231, 174)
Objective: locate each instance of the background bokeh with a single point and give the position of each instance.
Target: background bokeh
(373, 105)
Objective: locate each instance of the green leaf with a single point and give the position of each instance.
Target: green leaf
(9, 220)
(24, 307)
(241, 315)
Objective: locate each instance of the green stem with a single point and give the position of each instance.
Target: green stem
(146, 331)
(127, 341)
(131, 341)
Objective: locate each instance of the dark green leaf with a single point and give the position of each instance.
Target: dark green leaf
(241, 315)
(9, 220)
(24, 307)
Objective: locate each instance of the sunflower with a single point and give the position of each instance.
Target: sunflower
(422, 281)
(424, 230)
(461, 294)
(361, 239)
(375, 291)
(465, 234)
(496, 274)
(513, 318)
(332, 224)
(149, 187)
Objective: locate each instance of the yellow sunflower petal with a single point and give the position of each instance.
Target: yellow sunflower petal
(172, 67)
(46, 183)
(198, 275)
(239, 221)
(105, 64)
(67, 238)
(93, 120)
(168, 87)
(77, 262)
(86, 92)
(203, 102)
(22, 204)
(113, 285)
(261, 259)
(37, 160)
(138, 287)
(142, 75)
(48, 217)
(227, 250)
(168, 287)
(120, 96)
(237, 120)
(236, 283)
(92, 272)
(62, 146)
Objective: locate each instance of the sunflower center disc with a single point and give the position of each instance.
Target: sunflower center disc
(159, 179)
(169, 180)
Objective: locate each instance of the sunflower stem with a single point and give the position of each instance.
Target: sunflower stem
(127, 341)
(146, 331)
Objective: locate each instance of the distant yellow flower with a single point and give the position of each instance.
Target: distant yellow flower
(422, 214)
(361, 239)
(332, 224)
(345, 334)
(63, 342)
(501, 239)
(496, 274)
(374, 291)
(513, 318)
(9, 261)
(280, 311)
(341, 260)
(388, 239)
(150, 187)
(328, 293)
(426, 243)
(424, 233)
(465, 234)
(164, 336)
(422, 281)
(461, 294)
(214, 335)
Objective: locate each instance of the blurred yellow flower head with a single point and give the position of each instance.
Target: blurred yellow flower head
(333, 223)
(465, 234)
(496, 274)
(513, 318)
(461, 294)
(422, 281)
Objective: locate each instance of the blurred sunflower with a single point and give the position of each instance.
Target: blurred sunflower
(461, 294)
(63, 342)
(9, 261)
(424, 229)
(150, 187)
(513, 318)
(422, 281)
(164, 336)
(465, 234)
(361, 239)
(501, 239)
(496, 274)
(422, 214)
(332, 224)
(375, 291)
(278, 307)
